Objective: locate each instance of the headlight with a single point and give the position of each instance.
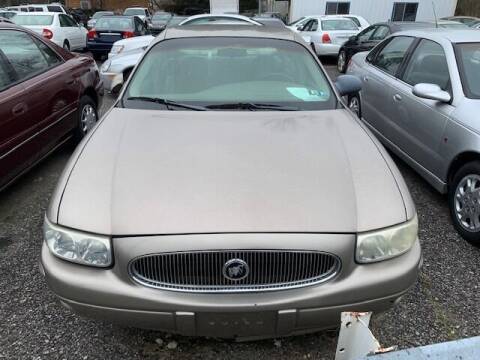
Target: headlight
(116, 49)
(386, 243)
(76, 246)
(106, 66)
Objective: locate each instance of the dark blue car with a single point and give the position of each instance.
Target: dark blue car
(109, 29)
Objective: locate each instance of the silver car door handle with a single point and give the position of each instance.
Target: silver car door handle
(397, 97)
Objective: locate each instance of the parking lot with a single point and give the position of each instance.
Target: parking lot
(442, 306)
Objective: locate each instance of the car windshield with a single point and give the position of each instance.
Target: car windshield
(98, 15)
(131, 12)
(114, 23)
(54, 8)
(340, 24)
(7, 14)
(469, 61)
(213, 71)
(32, 20)
(161, 17)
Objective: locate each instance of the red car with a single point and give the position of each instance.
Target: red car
(47, 96)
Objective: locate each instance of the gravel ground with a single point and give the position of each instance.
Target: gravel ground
(442, 306)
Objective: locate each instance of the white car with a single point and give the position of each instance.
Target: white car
(57, 27)
(143, 13)
(125, 45)
(53, 7)
(358, 20)
(326, 34)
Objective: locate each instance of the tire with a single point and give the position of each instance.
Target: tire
(342, 62)
(66, 45)
(87, 116)
(464, 204)
(355, 105)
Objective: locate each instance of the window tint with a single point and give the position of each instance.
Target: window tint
(337, 7)
(391, 56)
(381, 33)
(468, 55)
(23, 54)
(367, 33)
(70, 22)
(404, 11)
(428, 64)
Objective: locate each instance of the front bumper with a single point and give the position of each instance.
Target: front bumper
(111, 80)
(112, 295)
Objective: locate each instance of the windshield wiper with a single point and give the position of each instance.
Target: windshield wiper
(252, 106)
(168, 103)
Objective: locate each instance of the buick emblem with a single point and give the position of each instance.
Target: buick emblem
(235, 269)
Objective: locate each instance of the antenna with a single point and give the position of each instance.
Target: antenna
(435, 14)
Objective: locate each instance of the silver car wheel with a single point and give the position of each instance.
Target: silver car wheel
(467, 203)
(354, 105)
(341, 61)
(89, 118)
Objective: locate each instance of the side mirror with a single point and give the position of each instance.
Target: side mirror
(348, 85)
(431, 92)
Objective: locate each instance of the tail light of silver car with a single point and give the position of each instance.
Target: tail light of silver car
(326, 39)
(76, 246)
(47, 34)
(386, 243)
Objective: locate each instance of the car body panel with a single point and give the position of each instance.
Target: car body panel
(50, 101)
(130, 44)
(444, 131)
(243, 194)
(119, 64)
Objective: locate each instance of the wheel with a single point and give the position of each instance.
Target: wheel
(464, 202)
(342, 62)
(354, 105)
(87, 116)
(66, 45)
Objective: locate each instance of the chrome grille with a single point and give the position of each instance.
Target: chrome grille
(203, 271)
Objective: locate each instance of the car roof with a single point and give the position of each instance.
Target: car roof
(266, 32)
(32, 13)
(439, 35)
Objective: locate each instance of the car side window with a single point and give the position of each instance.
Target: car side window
(22, 54)
(381, 33)
(391, 56)
(138, 27)
(71, 22)
(367, 33)
(50, 55)
(6, 72)
(63, 21)
(428, 64)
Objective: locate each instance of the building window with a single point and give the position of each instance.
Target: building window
(404, 11)
(337, 7)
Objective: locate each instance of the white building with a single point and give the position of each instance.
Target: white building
(375, 10)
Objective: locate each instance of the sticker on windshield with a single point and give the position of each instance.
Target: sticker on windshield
(307, 94)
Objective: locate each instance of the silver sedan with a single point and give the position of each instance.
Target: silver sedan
(421, 97)
(229, 192)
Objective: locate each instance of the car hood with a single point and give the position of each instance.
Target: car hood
(170, 172)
